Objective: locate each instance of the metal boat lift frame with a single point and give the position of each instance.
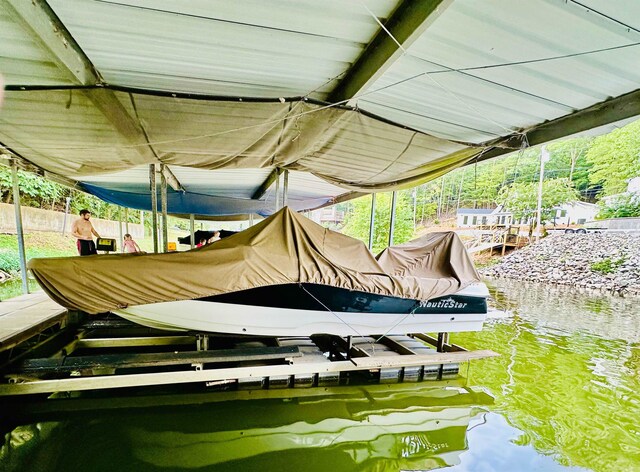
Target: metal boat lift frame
(108, 353)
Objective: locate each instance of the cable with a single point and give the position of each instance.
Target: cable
(404, 51)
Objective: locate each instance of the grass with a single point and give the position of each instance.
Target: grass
(36, 245)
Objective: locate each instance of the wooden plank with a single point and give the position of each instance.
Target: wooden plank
(115, 361)
(422, 359)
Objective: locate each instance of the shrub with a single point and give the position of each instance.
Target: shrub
(607, 266)
(9, 261)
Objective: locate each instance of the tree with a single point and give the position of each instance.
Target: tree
(522, 198)
(357, 221)
(621, 206)
(615, 158)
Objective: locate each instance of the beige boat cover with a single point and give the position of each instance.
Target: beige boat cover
(282, 249)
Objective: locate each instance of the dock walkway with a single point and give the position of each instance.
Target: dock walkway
(25, 316)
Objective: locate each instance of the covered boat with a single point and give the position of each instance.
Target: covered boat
(284, 276)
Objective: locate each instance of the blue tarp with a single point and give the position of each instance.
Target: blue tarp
(185, 203)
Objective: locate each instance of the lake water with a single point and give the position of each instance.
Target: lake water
(563, 395)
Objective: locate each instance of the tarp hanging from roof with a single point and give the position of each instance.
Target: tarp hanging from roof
(343, 146)
(187, 203)
(285, 248)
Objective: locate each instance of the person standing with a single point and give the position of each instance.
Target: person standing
(83, 230)
(129, 245)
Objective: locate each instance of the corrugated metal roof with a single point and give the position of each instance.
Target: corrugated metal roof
(476, 73)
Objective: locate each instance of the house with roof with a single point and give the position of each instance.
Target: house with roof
(472, 217)
(573, 213)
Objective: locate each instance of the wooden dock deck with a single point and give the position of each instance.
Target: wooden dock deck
(26, 316)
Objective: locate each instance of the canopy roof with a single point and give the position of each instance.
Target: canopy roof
(97, 90)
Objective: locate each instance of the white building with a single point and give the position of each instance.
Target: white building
(568, 214)
(575, 213)
(471, 217)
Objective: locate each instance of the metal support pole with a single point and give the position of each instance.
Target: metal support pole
(192, 229)
(163, 204)
(443, 341)
(120, 227)
(126, 220)
(372, 220)
(392, 219)
(544, 157)
(277, 191)
(285, 193)
(439, 212)
(66, 214)
(20, 234)
(154, 206)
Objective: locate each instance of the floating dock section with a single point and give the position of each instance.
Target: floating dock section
(45, 349)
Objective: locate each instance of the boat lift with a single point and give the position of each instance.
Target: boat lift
(52, 350)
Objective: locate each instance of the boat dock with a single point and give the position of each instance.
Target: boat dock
(45, 349)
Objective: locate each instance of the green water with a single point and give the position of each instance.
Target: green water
(563, 395)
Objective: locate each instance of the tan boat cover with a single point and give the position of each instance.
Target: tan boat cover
(284, 248)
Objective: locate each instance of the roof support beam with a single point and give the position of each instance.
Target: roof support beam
(271, 178)
(409, 20)
(609, 111)
(37, 17)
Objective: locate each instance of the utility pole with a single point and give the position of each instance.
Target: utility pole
(440, 199)
(544, 157)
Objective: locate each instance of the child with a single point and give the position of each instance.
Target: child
(129, 245)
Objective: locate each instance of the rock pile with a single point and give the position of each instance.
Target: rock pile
(603, 261)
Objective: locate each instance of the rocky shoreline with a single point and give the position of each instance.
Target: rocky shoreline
(599, 261)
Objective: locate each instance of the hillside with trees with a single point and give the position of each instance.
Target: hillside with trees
(584, 168)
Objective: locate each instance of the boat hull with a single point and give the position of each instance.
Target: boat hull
(365, 315)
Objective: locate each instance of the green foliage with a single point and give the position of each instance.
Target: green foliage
(607, 266)
(522, 198)
(357, 221)
(38, 192)
(9, 261)
(623, 206)
(615, 158)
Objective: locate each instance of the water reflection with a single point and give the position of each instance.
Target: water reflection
(568, 373)
(351, 428)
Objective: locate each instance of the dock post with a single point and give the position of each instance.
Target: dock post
(66, 214)
(192, 225)
(443, 340)
(154, 206)
(285, 193)
(120, 227)
(20, 234)
(392, 218)
(372, 220)
(163, 206)
(277, 189)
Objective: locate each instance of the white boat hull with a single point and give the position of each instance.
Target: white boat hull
(208, 316)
